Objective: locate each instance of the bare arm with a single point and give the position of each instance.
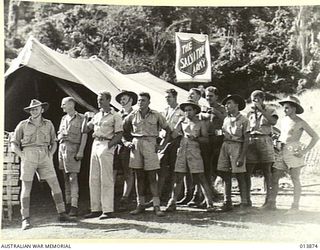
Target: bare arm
(272, 118)
(16, 149)
(127, 129)
(115, 139)
(83, 142)
(166, 139)
(244, 150)
(204, 137)
(53, 148)
(314, 137)
(177, 129)
(86, 126)
(219, 114)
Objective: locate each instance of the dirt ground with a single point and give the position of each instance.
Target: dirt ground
(185, 224)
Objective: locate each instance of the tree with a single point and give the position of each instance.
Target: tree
(271, 48)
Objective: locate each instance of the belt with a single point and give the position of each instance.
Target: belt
(35, 148)
(101, 138)
(144, 136)
(232, 141)
(213, 135)
(259, 135)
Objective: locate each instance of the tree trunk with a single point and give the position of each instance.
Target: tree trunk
(13, 16)
(302, 34)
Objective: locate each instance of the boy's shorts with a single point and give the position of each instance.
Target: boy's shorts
(285, 159)
(229, 154)
(189, 158)
(36, 160)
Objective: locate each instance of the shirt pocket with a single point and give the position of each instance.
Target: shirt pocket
(29, 135)
(44, 134)
(152, 121)
(107, 124)
(136, 123)
(75, 129)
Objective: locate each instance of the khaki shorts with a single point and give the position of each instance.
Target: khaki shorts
(144, 155)
(189, 157)
(66, 155)
(229, 154)
(260, 150)
(36, 160)
(285, 159)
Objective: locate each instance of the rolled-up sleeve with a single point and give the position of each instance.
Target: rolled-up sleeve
(17, 135)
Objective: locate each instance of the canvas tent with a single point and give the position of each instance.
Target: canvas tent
(42, 73)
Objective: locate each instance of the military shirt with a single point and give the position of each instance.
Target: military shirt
(258, 123)
(28, 134)
(148, 126)
(173, 115)
(70, 130)
(213, 122)
(235, 128)
(106, 124)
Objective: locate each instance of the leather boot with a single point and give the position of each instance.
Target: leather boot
(158, 211)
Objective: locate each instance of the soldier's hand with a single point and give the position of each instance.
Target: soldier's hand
(239, 162)
(88, 114)
(159, 148)
(131, 146)
(258, 106)
(79, 156)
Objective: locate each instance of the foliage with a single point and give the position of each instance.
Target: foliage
(272, 48)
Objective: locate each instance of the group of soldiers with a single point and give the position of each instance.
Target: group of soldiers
(182, 149)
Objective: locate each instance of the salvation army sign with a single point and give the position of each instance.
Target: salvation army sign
(193, 62)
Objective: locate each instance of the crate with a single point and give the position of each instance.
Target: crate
(11, 172)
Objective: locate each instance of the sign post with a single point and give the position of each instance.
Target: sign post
(193, 61)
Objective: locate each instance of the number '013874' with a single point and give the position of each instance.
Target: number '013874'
(308, 245)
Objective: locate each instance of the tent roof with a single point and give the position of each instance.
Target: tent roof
(93, 73)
